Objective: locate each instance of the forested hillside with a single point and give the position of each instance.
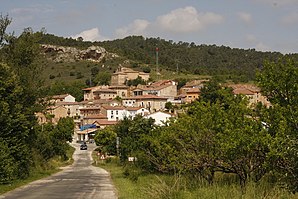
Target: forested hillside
(235, 64)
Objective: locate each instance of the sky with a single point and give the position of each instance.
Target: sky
(264, 25)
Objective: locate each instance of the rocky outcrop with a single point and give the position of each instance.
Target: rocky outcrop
(70, 54)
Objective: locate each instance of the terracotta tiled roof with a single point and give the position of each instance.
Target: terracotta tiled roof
(97, 116)
(67, 103)
(243, 91)
(133, 108)
(193, 90)
(250, 87)
(146, 97)
(107, 107)
(105, 122)
(59, 96)
(162, 82)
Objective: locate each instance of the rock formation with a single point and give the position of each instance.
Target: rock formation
(70, 54)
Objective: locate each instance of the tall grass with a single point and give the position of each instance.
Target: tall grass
(157, 186)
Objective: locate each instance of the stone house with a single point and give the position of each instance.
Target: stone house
(90, 119)
(124, 74)
(253, 93)
(151, 102)
(101, 124)
(192, 94)
(73, 108)
(105, 92)
(164, 88)
(57, 112)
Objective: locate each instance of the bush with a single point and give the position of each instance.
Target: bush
(131, 172)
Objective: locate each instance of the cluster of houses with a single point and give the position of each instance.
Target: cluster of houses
(106, 105)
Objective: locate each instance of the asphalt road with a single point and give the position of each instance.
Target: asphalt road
(78, 181)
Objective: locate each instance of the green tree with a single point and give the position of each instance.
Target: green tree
(135, 82)
(15, 126)
(279, 82)
(106, 140)
(131, 133)
(4, 23)
(61, 135)
(102, 78)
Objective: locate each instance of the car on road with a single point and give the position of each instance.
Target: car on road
(83, 146)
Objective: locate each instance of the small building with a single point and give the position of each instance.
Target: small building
(192, 94)
(101, 124)
(122, 90)
(123, 74)
(90, 119)
(72, 108)
(57, 112)
(114, 113)
(151, 102)
(104, 94)
(90, 111)
(62, 98)
(133, 111)
(252, 92)
(163, 88)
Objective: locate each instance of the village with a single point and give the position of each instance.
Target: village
(106, 105)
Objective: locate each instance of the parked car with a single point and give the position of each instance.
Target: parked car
(83, 146)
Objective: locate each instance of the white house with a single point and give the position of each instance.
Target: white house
(133, 111)
(63, 98)
(114, 113)
(159, 117)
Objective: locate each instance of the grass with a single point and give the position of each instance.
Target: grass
(150, 186)
(39, 173)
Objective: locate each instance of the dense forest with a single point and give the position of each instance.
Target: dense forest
(235, 64)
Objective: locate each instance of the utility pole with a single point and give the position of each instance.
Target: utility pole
(156, 55)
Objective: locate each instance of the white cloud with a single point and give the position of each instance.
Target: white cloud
(188, 19)
(91, 35)
(181, 20)
(290, 19)
(137, 27)
(246, 17)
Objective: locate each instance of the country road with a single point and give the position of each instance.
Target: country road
(78, 181)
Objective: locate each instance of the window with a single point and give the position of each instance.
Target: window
(116, 112)
(112, 112)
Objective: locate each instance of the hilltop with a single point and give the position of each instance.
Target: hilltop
(182, 57)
